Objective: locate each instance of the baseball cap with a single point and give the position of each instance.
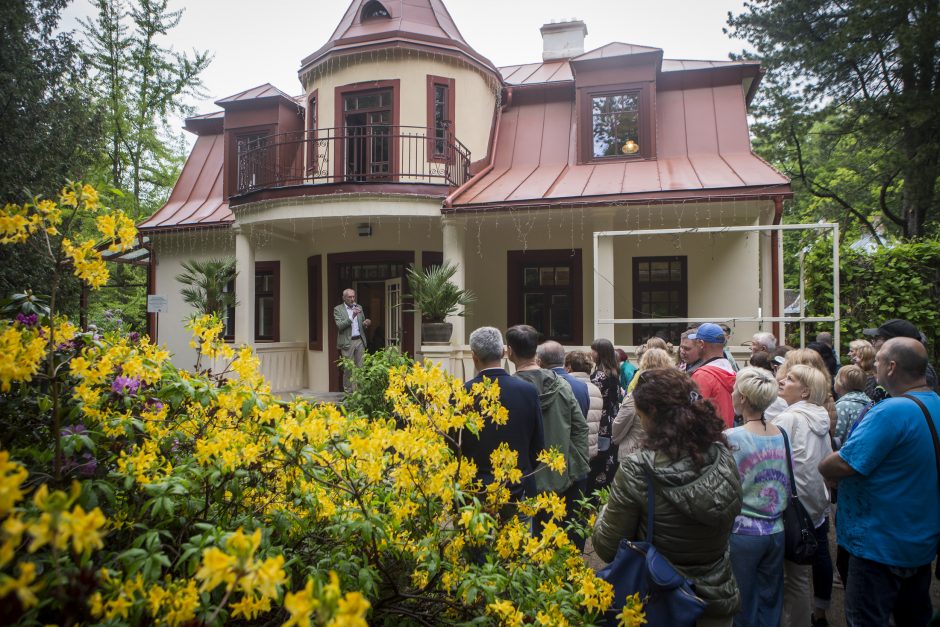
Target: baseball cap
(895, 328)
(708, 332)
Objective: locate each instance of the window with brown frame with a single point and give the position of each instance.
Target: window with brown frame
(616, 123)
(660, 290)
(267, 304)
(545, 291)
(441, 114)
(267, 297)
(312, 154)
(314, 305)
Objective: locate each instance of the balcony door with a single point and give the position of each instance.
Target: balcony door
(367, 128)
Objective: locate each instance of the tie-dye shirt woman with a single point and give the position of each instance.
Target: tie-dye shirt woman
(762, 466)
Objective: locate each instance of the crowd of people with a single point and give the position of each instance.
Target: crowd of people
(717, 443)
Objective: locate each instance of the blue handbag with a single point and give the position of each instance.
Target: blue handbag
(668, 598)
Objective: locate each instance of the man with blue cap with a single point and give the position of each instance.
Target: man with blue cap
(715, 376)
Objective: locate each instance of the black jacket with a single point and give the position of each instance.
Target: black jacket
(522, 431)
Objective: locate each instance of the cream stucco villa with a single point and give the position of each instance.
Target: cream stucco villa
(406, 145)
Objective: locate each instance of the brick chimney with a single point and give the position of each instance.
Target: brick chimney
(563, 40)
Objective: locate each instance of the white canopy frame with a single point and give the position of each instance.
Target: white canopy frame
(604, 257)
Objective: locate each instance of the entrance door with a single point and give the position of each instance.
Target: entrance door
(393, 312)
(367, 118)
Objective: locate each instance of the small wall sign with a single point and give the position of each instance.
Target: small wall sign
(156, 303)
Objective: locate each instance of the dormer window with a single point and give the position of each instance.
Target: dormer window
(616, 123)
(373, 9)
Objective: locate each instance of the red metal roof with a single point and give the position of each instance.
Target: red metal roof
(196, 200)
(266, 90)
(702, 147)
(425, 23)
(560, 70)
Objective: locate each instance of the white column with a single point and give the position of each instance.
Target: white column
(244, 288)
(603, 287)
(454, 253)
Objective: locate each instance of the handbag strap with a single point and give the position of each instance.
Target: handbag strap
(786, 445)
(933, 429)
(650, 504)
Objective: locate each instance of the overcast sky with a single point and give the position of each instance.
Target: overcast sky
(255, 42)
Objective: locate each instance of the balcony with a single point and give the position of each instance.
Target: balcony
(360, 155)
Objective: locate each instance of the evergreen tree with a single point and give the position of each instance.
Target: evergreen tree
(850, 103)
(50, 130)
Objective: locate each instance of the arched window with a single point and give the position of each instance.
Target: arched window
(373, 9)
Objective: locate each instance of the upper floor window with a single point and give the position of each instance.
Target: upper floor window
(616, 122)
(441, 113)
(372, 9)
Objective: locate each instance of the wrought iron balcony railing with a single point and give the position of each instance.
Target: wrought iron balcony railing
(354, 154)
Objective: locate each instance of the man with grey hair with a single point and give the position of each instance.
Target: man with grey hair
(522, 431)
(763, 342)
(551, 356)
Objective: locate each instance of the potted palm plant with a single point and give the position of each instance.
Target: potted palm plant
(436, 297)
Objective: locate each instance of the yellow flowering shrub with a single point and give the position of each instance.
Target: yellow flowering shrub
(175, 497)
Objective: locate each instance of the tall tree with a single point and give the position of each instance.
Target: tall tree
(854, 87)
(50, 130)
(142, 84)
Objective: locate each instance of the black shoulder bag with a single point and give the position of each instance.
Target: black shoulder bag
(799, 534)
(936, 452)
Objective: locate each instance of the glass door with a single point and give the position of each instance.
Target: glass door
(393, 312)
(367, 119)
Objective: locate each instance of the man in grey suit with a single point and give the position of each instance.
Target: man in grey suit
(351, 326)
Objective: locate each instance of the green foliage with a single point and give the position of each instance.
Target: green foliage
(848, 106)
(206, 283)
(433, 294)
(50, 130)
(140, 84)
(371, 381)
(901, 281)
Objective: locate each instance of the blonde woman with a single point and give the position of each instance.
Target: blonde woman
(652, 358)
(757, 542)
(627, 430)
(806, 422)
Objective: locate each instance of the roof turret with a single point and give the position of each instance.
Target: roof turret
(383, 24)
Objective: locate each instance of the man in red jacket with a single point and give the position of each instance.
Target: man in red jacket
(715, 377)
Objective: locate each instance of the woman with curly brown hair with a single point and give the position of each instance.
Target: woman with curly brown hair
(696, 487)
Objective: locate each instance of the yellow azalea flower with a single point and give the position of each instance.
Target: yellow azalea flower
(351, 611)
(270, 576)
(632, 614)
(68, 197)
(12, 476)
(90, 196)
(84, 529)
(554, 459)
(23, 585)
(251, 606)
(217, 568)
(300, 605)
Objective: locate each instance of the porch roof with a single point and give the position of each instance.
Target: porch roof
(197, 200)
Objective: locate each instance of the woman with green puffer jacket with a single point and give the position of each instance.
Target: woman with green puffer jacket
(696, 485)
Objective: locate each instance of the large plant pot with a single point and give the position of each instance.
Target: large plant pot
(436, 332)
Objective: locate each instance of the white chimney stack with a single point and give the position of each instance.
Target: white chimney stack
(563, 40)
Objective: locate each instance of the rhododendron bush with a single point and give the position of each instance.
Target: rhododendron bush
(132, 491)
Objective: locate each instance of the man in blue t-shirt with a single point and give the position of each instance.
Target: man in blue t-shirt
(889, 496)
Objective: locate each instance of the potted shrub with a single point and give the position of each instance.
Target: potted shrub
(433, 294)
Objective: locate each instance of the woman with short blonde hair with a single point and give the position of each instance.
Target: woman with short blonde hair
(757, 542)
(862, 354)
(806, 423)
